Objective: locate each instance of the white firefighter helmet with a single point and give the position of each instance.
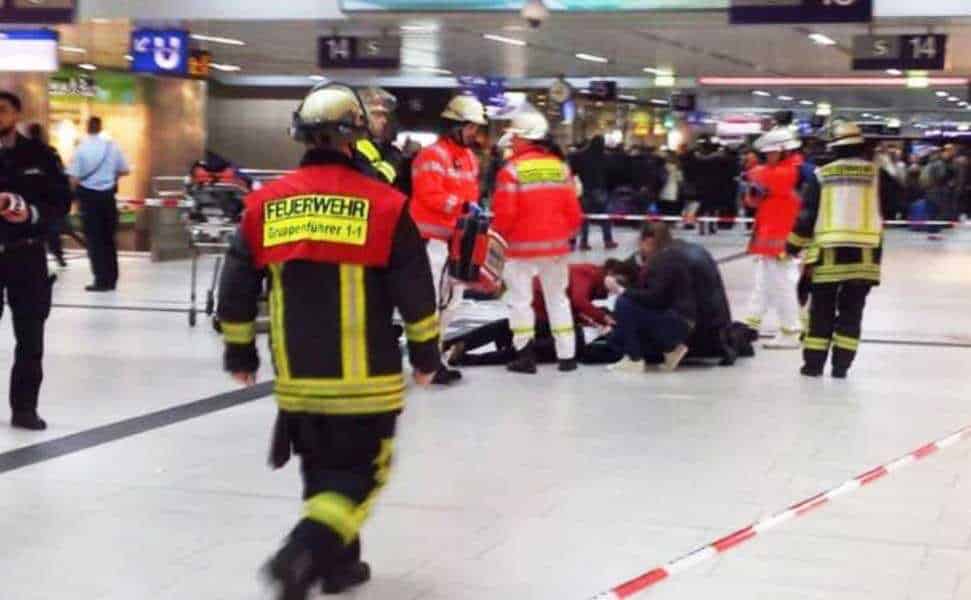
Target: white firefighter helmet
(332, 107)
(845, 133)
(465, 109)
(778, 139)
(528, 123)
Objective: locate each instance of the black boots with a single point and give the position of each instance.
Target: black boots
(28, 420)
(567, 365)
(446, 376)
(345, 577)
(525, 361)
(811, 371)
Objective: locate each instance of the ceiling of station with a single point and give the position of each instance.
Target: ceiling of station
(692, 45)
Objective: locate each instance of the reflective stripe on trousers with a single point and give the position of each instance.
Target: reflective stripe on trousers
(554, 275)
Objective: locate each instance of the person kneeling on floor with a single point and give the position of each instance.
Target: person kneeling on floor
(682, 282)
(586, 284)
(658, 318)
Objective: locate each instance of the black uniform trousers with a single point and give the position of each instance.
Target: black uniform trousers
(344, 461)
(835, 319)
(27, 286)
(99, 213)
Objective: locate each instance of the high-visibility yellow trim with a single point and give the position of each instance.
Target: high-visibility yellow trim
(799, 241)
(340, 387)
(364, 405)
(814, 343)
(424, 330)
(278, 331)
(753, 322)
(354, 353)
(335, 511)
(386, 170)
(340, 513)
(369, 150)
(541, 170)
(238, 333)
(562, 330)
(846, 342)
(523, 330)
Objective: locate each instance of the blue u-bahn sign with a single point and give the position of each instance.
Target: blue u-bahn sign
(160, 51)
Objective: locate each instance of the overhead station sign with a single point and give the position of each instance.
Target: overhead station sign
(759, 12)
(344, 52)
(914, 52)
(160, 51)
(28, 50)
(553, 5)
(37, 11)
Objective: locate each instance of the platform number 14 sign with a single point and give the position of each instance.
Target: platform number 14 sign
(916, 52)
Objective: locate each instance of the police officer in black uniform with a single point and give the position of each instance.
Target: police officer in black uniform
(34, 193)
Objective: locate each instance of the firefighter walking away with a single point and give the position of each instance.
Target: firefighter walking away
(341, 253)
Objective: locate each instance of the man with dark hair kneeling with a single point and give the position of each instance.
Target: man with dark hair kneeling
(678, 308)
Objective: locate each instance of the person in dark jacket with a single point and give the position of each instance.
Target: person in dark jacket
(35, 131)
(34, 193)
(659, 316)
(710, 337)
(589, 165)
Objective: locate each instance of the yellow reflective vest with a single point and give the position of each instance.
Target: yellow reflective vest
(849, 205)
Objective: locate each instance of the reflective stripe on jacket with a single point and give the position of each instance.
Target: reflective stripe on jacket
(849, 205)
(342, 257)
(445, 177)
(535, 205)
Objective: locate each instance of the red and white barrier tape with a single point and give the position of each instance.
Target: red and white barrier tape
(679, 565)
(159, 202)
(675, 219)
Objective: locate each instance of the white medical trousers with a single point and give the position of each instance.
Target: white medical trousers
(554, 275)
(448, 290)
(776, 281)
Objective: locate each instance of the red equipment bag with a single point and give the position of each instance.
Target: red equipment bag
(476, 254)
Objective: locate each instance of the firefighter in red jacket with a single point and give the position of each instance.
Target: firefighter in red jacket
(776, 273)
(445, 185)
(342, 254)
(538, 213)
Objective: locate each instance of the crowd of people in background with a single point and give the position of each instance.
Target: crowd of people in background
(705, 179)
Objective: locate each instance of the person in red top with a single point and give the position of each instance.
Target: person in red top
(586, 285)
(445, 185)
(776, 274)
(537, 212)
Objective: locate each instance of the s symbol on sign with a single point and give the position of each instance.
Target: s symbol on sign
(167, 55)
(881, 48)
(373, 48)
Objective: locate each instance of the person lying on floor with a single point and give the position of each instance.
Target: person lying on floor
(677, 307)
(586, 285)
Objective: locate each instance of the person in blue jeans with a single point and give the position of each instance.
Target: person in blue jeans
(656, 319)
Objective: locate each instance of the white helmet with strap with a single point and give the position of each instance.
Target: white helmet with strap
(332, 107)
(528, 123)
(778, 139)
(465, 109)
